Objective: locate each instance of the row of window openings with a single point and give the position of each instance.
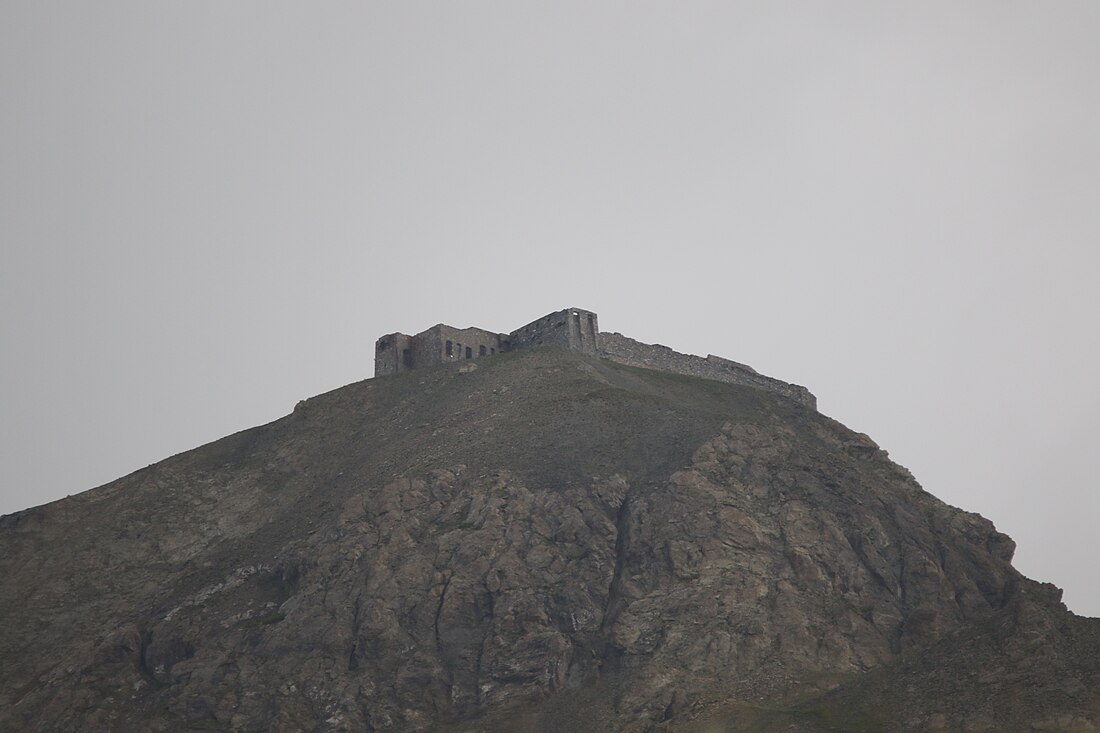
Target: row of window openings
(481, 351)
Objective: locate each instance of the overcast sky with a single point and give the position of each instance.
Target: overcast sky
(209, 211)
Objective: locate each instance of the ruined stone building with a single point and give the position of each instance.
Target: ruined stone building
(572, 328)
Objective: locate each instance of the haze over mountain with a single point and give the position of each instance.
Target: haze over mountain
(532, 541)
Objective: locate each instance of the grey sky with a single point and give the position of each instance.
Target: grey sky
(209, 211)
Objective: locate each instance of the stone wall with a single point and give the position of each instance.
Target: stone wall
(624, 350)
(392, 353)
(453, 344)
(397, 352)
(572, 328)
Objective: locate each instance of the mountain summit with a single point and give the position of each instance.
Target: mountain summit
(536, 540)
(575, 329)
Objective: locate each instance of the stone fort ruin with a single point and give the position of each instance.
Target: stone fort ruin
(572, 328)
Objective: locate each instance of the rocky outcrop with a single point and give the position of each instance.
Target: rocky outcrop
(549, 542)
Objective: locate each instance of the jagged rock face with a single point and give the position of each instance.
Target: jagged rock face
(546, 542)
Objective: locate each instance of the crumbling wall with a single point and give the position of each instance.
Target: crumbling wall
(624, 350)
(575, 329)
(398, 352)
(454, 344)
(572, 328)
(393, 353)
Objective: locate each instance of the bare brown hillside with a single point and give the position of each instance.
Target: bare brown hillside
(542, 541)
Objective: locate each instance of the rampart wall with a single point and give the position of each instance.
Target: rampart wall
(571, 328)
(625, 350)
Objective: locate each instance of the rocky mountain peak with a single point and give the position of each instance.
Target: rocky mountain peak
(543, 541)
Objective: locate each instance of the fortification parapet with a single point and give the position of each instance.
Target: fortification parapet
(571, 328)
(625, 350)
